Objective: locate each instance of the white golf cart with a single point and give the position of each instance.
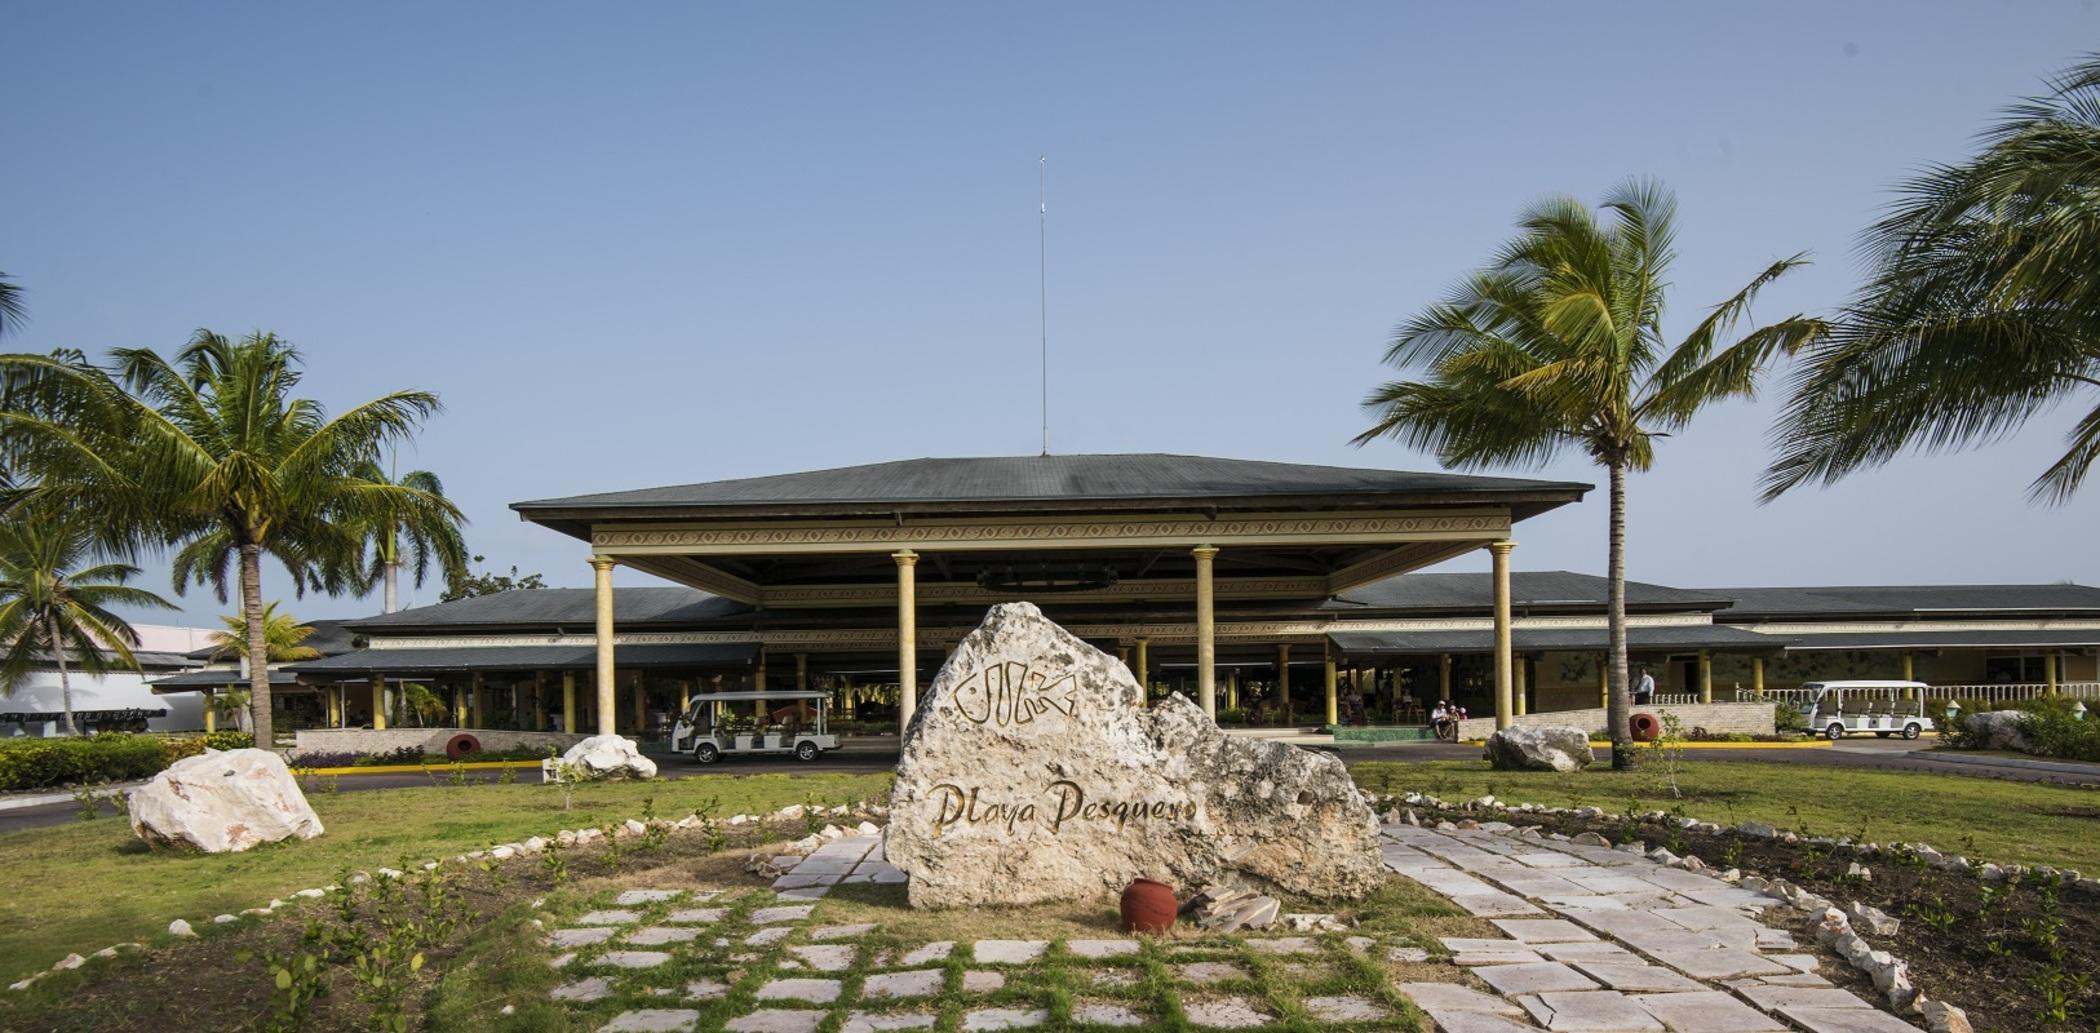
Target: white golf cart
(1836, 708)
(703, 730)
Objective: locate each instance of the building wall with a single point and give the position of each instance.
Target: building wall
(1754, 718)
(432, 740)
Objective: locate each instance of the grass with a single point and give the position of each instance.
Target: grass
(87, 885)
(1986, 819)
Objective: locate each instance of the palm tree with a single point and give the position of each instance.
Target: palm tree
(417, 533)
(282, 637)
(212, 452)
(1982, 308)
(11, 311)
(1558, 343)
(55, 602)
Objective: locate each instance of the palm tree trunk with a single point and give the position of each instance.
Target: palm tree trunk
(393, 585)
(1619, 710)
(65, 680)
(258, 645)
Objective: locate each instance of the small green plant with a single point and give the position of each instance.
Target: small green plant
(458, 776)
(554, 864)
(812, 816)
(87, 800)
(613, 848)
(1936, 915)
(507, 775)
(298, 978)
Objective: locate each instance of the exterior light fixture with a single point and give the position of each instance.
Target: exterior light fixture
(1953, 710)
(2078, 710)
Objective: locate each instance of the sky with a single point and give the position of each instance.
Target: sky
(634, 245)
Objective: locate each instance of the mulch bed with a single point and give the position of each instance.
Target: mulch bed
(2018, 957)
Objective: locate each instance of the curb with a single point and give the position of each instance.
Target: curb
(14, 803)
(414, 769)
(1812, 744)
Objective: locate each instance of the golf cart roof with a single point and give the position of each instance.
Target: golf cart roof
(726, 697)
(1866, 683)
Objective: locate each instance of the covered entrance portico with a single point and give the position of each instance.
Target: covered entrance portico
(1133, 552)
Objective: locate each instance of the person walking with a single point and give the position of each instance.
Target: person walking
(1644, 688)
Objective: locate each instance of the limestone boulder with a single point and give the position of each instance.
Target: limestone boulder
(223, 801)
(1033, 771)
(608, 757)
(1550, 748)
(1999, 730)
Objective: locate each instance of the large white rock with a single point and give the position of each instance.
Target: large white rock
(609, 756)
(1033, 771)
(221, 801)
(1999, 730)
(1550, 748)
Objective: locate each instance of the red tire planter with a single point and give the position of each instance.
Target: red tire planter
(1148, 907)
(1645, 726)
(462, 746)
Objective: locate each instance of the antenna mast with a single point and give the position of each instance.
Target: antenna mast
(1042, 258)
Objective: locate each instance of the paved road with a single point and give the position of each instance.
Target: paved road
(1868, 754)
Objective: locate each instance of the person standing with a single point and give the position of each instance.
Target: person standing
(1644, 688)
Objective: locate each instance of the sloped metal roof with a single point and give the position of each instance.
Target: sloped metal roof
(1924, 637)
(632, 607)
(1905, 600)
(441, 660)
(1542, 589)
(1037, 478)
(1415, 643)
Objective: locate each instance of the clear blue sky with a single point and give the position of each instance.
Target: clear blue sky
(634, 245)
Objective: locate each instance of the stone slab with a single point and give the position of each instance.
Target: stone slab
(1706, 1011)
(696, 915)
(841, 932)
(596, 988)
(1100, 948)
(652, 1020)
(1636, 976)
(1003, 1018)
(983, 981)
(632, 898)
(1724, 963)
(1008, 952)
(1543, 930)
(612, 916)
(579, 937)
(1478, 1022)
(935, 951)
(913, 983)
(1106, 1013)
(1777, 998)
(812, 991)
(633, 959)
(1848, 1020)
(658, 935)
(777, 1020)
(1541, 977)
(825, 957)
(1345, 1008)
(861, 1022)
(786, 913)
(1592, 1011)
(1224, 1013)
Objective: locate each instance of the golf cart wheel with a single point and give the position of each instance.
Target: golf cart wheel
(1834, 732)
(707, 753)
(806, 750)
(1912, 731)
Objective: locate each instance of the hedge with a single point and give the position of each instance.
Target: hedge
(111, 757)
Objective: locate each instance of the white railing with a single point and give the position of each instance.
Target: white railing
(1676, 699)
(1997, 693)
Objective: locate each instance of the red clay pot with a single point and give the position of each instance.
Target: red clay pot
(1644, 726)
(1148, 907)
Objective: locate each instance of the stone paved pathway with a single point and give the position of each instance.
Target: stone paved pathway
(1603, 940)
(1594, 940)
(843, 861)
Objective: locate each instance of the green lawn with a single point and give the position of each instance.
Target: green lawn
(84, 886)
(1986, 819)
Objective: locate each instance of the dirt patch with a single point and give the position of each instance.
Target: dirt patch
(2016, 957)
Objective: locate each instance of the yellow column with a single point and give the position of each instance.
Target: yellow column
(1232, 689)
(907, 637)
(211, 714)
(608, 711)
(1206, 634)
(568, 702)
(801, 672)
(1909, 669)
(685, 695)
(2049, 671)
(641, 704)
(847, 705)
(758, 673)
(539, 701)
(1443, 678)
(378, 702)
(1283, 680)
(479, 694)
(1333, 710)
(459, 706)
(1706, 677)
(1757, 676)
(1523, 678)
(1505, 706)
(1144, 668)
(1604, 680)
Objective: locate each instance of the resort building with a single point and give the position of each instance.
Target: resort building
(1269, 593)
(113, 701)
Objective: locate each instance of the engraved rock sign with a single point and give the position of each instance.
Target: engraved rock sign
(1034, 771)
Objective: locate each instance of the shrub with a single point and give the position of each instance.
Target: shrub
(113, 757)
(1787, 717)
(404, 755)
(1232, 717)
